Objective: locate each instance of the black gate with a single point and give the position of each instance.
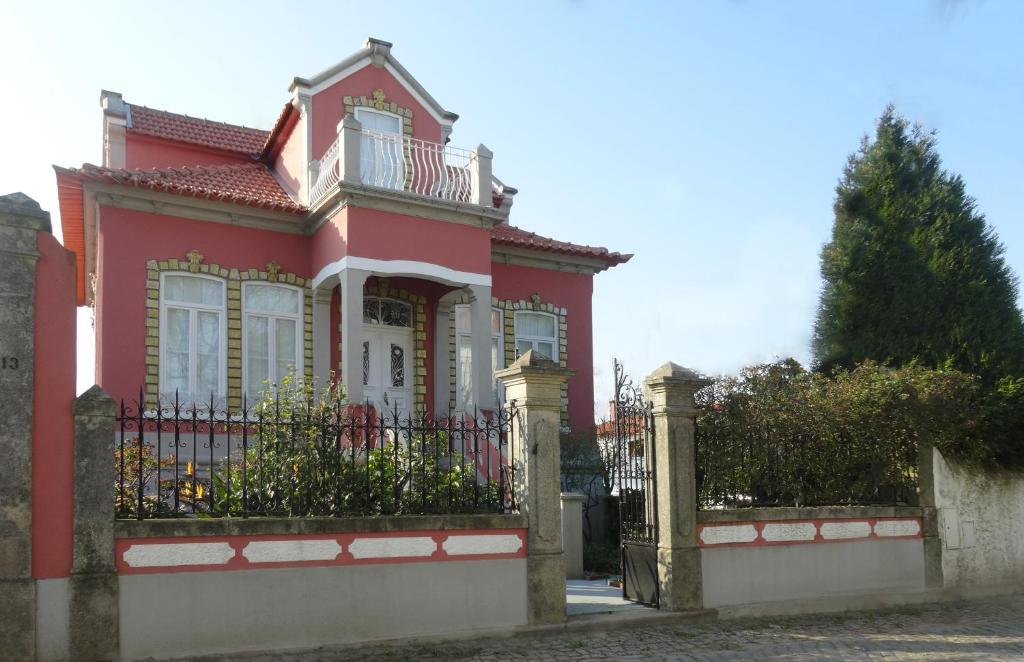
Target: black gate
(635, 481)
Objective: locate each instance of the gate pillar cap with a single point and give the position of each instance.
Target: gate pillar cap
(534, 363)
(672, 372)
(19, 210)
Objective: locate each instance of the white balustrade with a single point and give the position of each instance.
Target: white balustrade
(400, 163)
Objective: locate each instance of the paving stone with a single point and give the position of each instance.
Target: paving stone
(990, 629)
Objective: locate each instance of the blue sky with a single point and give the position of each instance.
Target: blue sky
(706, 138)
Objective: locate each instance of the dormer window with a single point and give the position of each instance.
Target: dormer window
(381, 150)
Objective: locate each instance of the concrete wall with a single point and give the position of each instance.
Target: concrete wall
(276, 584)
(981, 524)
(774, 555)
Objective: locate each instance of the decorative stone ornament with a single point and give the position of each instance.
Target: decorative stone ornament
(195, 258)
(273, 268)
(378, 99)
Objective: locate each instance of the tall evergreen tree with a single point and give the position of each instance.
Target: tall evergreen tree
(913, 272)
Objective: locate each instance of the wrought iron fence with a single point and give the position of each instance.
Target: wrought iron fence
(743, 463)
(298, 459)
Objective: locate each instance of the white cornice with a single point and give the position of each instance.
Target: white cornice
(543, 260)
(411, 268)
(399, 202)
(155, 202)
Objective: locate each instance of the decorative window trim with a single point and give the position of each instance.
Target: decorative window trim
(376, 102)
(509, 308)
(234, 278)
(383, 290)
(300, 331)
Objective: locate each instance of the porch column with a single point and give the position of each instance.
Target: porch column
(671, 389)
(352, 281)
(322, 337)
(484, 396)
(443, 368)
(535, 383)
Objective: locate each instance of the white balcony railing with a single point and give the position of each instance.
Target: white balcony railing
(401, 163)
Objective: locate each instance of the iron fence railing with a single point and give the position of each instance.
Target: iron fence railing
(757, 466)
(298, 460)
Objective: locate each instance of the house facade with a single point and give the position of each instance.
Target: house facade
(351, 241)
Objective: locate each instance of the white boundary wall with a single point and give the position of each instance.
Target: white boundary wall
(981, 523)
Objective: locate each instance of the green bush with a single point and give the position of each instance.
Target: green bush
(779, 435)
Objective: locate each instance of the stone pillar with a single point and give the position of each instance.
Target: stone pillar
(21, 220)
(352, 281)
(94, 584)
(534, 382)
(572, 534)
(484, 396)
(671, 389)
(349, 137)
(933, 575)
(480, 176)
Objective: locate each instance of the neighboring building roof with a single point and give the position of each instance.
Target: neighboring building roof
(509, 235)
(196, 131)
(249, 184)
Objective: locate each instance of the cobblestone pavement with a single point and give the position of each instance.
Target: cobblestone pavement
(991, 629)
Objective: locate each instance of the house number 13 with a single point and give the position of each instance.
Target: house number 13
(9, 363)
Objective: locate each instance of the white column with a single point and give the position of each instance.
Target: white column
(442, 361)
(350, 133)
(480, 327)
(322, 336)
(480, 176)
(352, 281)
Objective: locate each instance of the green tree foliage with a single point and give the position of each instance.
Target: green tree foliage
(913, 273)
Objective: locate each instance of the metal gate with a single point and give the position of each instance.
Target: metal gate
(635, 480)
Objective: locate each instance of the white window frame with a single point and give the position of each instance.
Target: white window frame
(271, 342)
(533, 340)
(399, 176)
(193, 347)
(468, 337)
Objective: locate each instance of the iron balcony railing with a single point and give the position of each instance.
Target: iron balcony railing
(401, 163)
(279, 458)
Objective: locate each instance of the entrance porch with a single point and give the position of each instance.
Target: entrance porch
(387, 329)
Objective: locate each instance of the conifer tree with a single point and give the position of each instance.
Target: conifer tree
(913, 272)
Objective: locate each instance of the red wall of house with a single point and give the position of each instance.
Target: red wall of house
(329, 106)
(53, 395)
(127, 239)
(142, 151)
(572, 292)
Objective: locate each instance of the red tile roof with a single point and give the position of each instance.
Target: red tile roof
(249, 184)
(509, 235)
(196, 131)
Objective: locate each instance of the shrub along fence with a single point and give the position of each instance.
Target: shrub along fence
(779, 436)
(295, 453)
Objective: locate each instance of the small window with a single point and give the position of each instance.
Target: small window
(192, 334)
(537, 331)
(464, 351)
(273, 329)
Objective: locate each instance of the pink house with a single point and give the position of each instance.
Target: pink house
(351, 239)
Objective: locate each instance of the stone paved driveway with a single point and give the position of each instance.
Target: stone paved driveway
(984, 630)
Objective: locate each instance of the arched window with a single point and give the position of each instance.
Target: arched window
(272, 340)
(378, 311)
(192, 322)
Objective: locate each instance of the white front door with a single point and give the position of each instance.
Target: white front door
(387, 369)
